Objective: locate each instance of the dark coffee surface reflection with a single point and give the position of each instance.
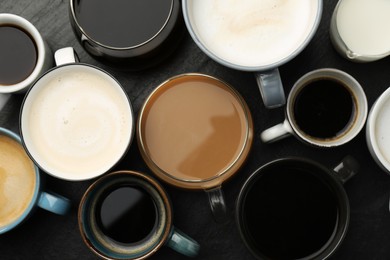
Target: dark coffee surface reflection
(289, 213)
(122, 23)
(126, 214)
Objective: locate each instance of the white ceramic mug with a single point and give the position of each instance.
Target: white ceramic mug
(377, 131)
(252, 35)
(354, 123)
(76, 120)
(359, 29)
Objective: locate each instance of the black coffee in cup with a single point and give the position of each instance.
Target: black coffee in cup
(126, 213)
(294, 208)
(122, 23)
(290, 213)
(324, 108)
(18, 55)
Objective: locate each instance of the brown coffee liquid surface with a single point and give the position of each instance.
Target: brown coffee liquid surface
(17, 180)
(122, 23)
(18, 55)
(194, 128)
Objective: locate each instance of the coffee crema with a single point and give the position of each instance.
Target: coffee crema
(17, 180)
(193, 128)
(252, 32)
(18, 55)
(76, 121)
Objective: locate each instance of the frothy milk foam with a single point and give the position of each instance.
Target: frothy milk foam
(364, 25)
(79, 122)
(253, 32)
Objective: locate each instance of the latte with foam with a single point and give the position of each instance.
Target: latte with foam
(77, 122)
(252, 33)
(17, 180)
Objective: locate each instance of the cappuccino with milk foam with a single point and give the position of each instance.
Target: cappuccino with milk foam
(77, 122)
(253, 32)
(17, 180)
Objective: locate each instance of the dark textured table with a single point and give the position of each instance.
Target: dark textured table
(48, 236)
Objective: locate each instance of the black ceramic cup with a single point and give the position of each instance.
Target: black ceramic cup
(129, 35)
(295, 208)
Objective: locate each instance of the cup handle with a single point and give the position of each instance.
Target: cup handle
(346, 169)
(217, 204)
(3, 100)
(182, 243)
(65, 55)
(54, 203)
(276, 132)
(271, 88)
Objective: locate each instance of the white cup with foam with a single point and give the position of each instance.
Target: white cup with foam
(378, 131)
(254, 35)
(76, 120)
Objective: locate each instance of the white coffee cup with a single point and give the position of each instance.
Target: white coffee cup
(359, 29)
(254, 35)
(44, 56)
(298, 125)
(76, 120)
(377, 131)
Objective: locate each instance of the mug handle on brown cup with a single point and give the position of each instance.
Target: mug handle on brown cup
(271, 88)
(217, 204)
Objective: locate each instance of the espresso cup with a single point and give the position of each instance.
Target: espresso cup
(359, 29)
(21, 185)
(194, 132)
(76, 120)
(377, 133)
(131, 35)
(252, 35)
(128, 215)
(295, 208)
(325, 108)
(24, 55)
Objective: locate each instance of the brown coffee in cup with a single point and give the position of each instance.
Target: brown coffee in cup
(193, 128)
(195, 132)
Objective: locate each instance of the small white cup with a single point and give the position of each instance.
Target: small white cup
(377, 131)
(44, 56)
(290, 127)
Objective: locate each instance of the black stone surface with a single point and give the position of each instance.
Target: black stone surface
(47, 236)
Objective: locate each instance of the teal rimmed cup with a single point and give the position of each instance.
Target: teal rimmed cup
(161, 232)
(29, 200)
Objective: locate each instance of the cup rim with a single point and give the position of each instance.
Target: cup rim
(194, 36)
(334, 242)
(204, 183)
(131, 111)
(84, 34)
(37, 188)
(371, 127)
(159, 188)
(359, 98)
(18, 21)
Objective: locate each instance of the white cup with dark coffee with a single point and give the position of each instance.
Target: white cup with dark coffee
(253, 35)
(24, 55)
(76, 121)
(325, 108)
